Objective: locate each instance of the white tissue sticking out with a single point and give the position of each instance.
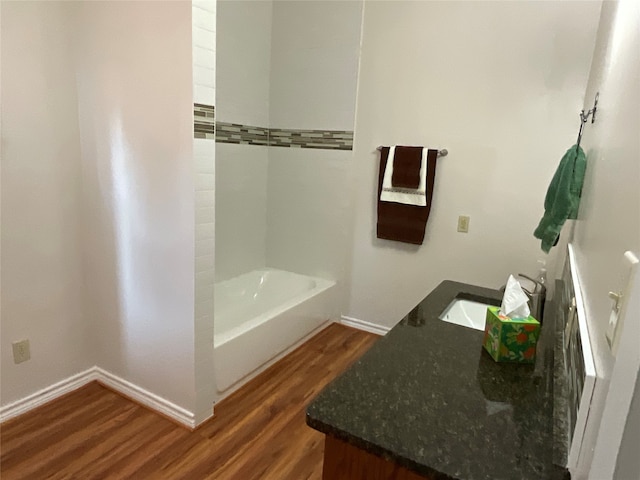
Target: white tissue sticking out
(514, 301)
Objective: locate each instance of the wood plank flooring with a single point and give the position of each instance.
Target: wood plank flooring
(259, 432)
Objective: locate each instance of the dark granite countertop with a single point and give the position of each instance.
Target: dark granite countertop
(428, 397)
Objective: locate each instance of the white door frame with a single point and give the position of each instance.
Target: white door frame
(621, 387)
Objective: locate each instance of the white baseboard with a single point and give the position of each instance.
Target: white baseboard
(146, 398)
(47, 394)
(128, 389)
(363, 325)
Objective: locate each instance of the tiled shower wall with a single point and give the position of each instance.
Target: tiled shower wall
(315, 49)
(204, 81)
(243, 66)
(287, 78)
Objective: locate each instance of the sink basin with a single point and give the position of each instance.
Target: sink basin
(467, 313)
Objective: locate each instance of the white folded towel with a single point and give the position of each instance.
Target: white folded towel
(408, 196)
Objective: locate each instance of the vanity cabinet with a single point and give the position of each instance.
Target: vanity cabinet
(343, 461)
(427, 401)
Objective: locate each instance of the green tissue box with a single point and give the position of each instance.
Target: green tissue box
(510, 339)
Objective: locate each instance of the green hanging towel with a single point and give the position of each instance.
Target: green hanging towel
(563, 197)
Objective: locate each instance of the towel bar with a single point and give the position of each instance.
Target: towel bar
(441, 153)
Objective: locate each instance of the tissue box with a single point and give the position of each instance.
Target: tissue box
(510, 339)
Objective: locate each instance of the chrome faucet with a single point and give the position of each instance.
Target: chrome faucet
(536, 298)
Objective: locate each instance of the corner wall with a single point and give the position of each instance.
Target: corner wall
(136, 119)
(203, 42)
(42, 279)
(487, 81)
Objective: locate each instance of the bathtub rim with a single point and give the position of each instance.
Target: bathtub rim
(322, 285)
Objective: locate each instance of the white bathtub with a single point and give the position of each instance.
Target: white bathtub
(260, 314)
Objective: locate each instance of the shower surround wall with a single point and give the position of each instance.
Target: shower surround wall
(287, 76)
(243, 52)
(203, 44)
(286, 90)
(314, 68)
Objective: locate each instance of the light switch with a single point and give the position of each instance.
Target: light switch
(620, 300)
(21, 351)
(463, 223)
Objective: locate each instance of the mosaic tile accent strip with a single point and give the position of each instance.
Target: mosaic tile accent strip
(241, 134)
(280, 137)
(204, 121)
(322, 139)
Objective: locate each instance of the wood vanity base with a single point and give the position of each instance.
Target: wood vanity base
(346, 462)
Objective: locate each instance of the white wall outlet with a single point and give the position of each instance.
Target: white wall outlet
(463, 223)
(21, 351)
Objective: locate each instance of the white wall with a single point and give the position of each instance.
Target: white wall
(499, 85)
(308, 215)
(314, 68)
(41, 200)
(628, 462)
(204, 151)
(241, 209)
(203, 43)
(285, 65)
(314, 64)
(243, 61)
(609, 219)
(243, 66)
(136, 123)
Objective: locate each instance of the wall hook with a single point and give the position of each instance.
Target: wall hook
(585, 116)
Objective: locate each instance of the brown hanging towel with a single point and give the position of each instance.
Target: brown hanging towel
(406, 167)
(401, 222)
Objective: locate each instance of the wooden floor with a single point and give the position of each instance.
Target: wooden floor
(259, 432)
